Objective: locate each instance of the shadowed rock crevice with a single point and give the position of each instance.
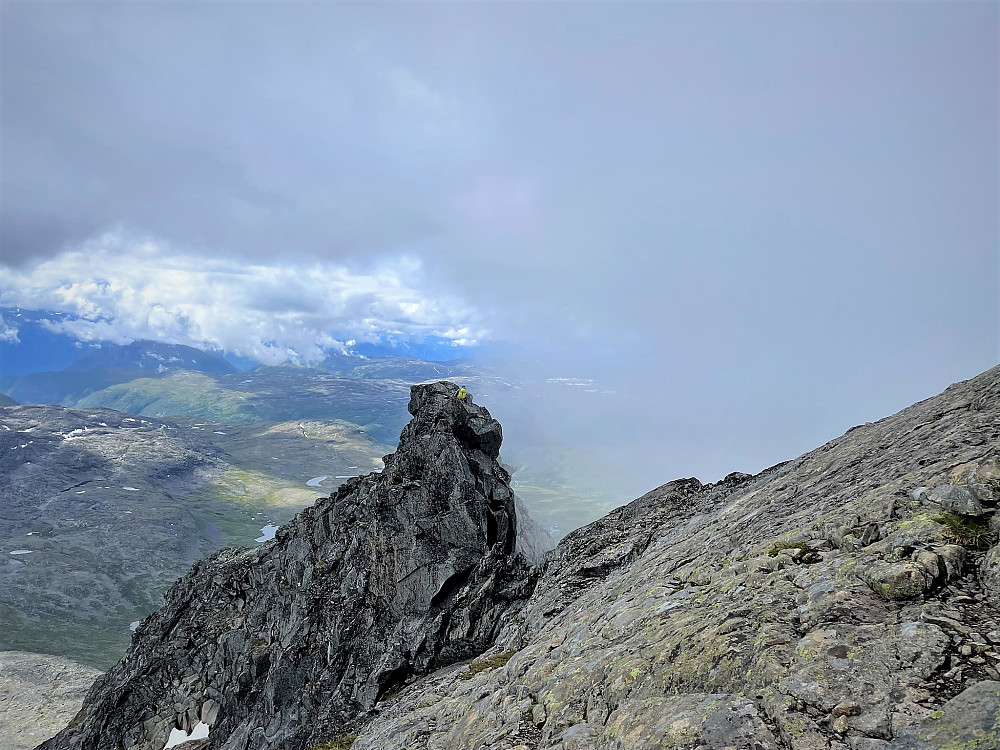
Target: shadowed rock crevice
(394, 575)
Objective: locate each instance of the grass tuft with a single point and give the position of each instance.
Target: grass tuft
(343, 742)
(973, 533)
(491, 662)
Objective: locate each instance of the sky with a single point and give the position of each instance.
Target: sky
(754, 225)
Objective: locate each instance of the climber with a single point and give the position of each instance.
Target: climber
(462, 393)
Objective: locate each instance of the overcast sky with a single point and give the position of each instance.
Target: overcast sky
(757, 223)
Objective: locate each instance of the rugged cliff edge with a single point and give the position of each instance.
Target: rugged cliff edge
(395, 574)
(844, 600)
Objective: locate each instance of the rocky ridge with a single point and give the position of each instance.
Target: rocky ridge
(842, 600)
(845, 600)
(396, 574)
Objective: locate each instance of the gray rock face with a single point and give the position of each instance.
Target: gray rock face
(824, 603)
(969, 722)
(394, 575)
(39, 695)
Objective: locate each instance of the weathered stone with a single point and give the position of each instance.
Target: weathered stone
(899, 582)
(990, 572)
(970, 721)
(958, 500)
(846, 708)
(396, 574)
(209, 711)
(953, 556)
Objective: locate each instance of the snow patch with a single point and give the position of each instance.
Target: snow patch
(315, 481)
(133, 626)
(22, 552)
(177, 736)
(131, 489)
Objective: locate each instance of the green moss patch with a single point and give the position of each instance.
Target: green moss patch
(343, 742)
(492, 662)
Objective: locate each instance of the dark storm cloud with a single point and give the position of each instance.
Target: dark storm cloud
(194, 123)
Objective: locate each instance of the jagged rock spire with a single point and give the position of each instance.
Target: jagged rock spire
(286, 644)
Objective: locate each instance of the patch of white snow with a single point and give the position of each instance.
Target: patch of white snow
(315, 481)
(176, 737)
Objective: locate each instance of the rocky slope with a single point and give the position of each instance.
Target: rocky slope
(395, 574)
(39, 695)
(843, 600)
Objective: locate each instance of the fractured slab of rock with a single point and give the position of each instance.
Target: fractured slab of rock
(824, 603)
(396, 574)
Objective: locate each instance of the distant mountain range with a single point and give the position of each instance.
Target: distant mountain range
(116, 364)
(153, 356)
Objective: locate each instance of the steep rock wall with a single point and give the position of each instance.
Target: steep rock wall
(396, 574)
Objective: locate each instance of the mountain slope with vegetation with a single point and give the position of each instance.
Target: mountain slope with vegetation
(102, 511)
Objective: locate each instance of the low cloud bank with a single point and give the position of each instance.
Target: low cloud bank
(118, 289)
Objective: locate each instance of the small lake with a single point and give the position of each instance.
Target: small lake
(268, 533)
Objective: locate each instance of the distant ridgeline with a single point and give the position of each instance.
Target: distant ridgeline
(370, 392)
(847, 599)
(148, 378)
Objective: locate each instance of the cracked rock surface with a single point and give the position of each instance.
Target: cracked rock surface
(39, 695)
(285, 645)
(843, 600)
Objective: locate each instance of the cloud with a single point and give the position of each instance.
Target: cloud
(119, 288)
(8, 332)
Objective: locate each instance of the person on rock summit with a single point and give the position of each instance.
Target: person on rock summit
(462, 393)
